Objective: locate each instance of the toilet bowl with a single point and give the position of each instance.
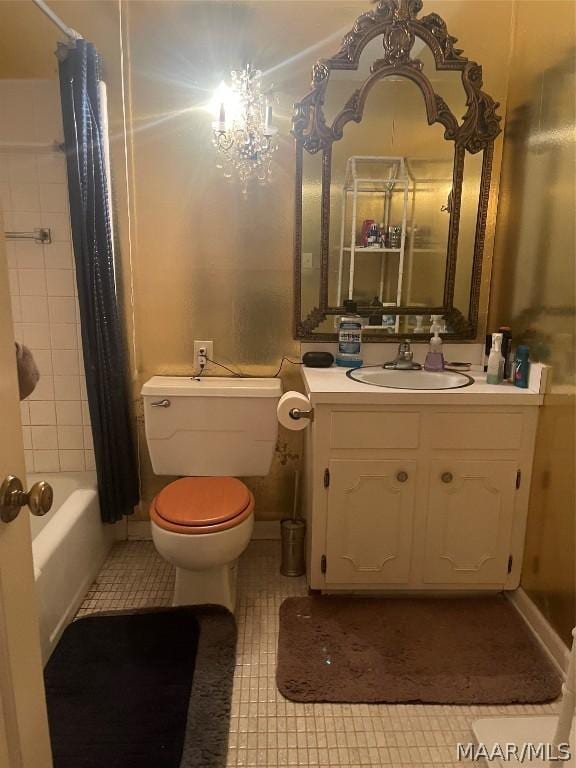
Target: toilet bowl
(209, 431)
(202, 525)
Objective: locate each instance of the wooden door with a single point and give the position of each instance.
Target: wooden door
(469, 522)
(369, 521)
(24, 741)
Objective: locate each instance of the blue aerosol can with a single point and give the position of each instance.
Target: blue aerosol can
(521, 367)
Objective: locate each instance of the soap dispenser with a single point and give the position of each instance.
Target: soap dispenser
(434, 359)
(437, 324)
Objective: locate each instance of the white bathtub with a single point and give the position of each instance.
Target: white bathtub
(69, 546)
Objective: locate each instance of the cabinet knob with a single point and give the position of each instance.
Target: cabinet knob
(402, 477)
(447, 477)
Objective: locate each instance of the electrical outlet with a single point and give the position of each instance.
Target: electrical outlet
(203, 350)
(307, 261)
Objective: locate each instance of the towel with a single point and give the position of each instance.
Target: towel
(28, 373)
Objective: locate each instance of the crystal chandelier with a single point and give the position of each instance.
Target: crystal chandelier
(243, 134)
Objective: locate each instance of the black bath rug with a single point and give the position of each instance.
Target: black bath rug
(143, 689)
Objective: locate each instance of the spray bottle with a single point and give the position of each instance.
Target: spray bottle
(495, 370)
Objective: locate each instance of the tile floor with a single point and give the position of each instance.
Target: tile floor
(266, 730)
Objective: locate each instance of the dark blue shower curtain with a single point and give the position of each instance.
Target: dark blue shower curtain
(102, 338)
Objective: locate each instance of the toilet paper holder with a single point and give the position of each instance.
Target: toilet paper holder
(294, 411)
(297, 414)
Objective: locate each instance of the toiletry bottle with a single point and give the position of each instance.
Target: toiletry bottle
(434, 359)
(521, 367)
(376, 313)
(366, 224)
(374, 236)
(487, 348)
(382, 235)
(349, 337)
(495, 372)
(394, 237)
(506, 350)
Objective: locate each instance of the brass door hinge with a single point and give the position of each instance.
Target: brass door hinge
(326, 478)
(323, 564)
(510, 562)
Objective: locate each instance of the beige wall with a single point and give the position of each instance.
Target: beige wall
(534, 281)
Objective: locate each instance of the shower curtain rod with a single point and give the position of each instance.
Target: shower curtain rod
(70, 33)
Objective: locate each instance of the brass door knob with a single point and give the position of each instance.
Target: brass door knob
(447, 477)
(13, 497)
(402, 477)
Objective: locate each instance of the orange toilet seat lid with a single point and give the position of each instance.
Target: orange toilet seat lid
(202, 501)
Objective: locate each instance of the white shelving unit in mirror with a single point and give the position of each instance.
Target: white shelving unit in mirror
(380, 214)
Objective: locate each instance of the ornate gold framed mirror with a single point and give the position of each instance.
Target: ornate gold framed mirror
(391, 187)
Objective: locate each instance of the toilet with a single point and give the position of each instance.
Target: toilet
(209, 431)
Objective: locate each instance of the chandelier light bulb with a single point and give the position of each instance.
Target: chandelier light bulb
(243, 133)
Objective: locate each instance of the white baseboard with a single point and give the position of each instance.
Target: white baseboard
(546, 635)
(139, 530)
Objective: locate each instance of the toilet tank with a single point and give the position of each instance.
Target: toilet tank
(211, 426)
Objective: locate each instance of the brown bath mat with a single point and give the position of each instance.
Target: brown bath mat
(474, 650)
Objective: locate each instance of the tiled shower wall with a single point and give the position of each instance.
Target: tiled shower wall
(33, 193)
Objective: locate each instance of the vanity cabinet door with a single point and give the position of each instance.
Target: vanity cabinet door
(469, 522)
(369, 521)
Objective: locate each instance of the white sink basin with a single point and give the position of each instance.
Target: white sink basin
(399, 379)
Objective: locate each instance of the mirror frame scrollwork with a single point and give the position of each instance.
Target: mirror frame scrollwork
(396, 21)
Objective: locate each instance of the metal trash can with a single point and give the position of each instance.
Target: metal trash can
(293, 560)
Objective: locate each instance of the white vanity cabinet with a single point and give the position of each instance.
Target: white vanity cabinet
(425, 496)
(471, 505)
(369, 521)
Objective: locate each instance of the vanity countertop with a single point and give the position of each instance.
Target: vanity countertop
(332, 386)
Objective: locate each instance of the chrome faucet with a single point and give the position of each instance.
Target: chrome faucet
(404, 359)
